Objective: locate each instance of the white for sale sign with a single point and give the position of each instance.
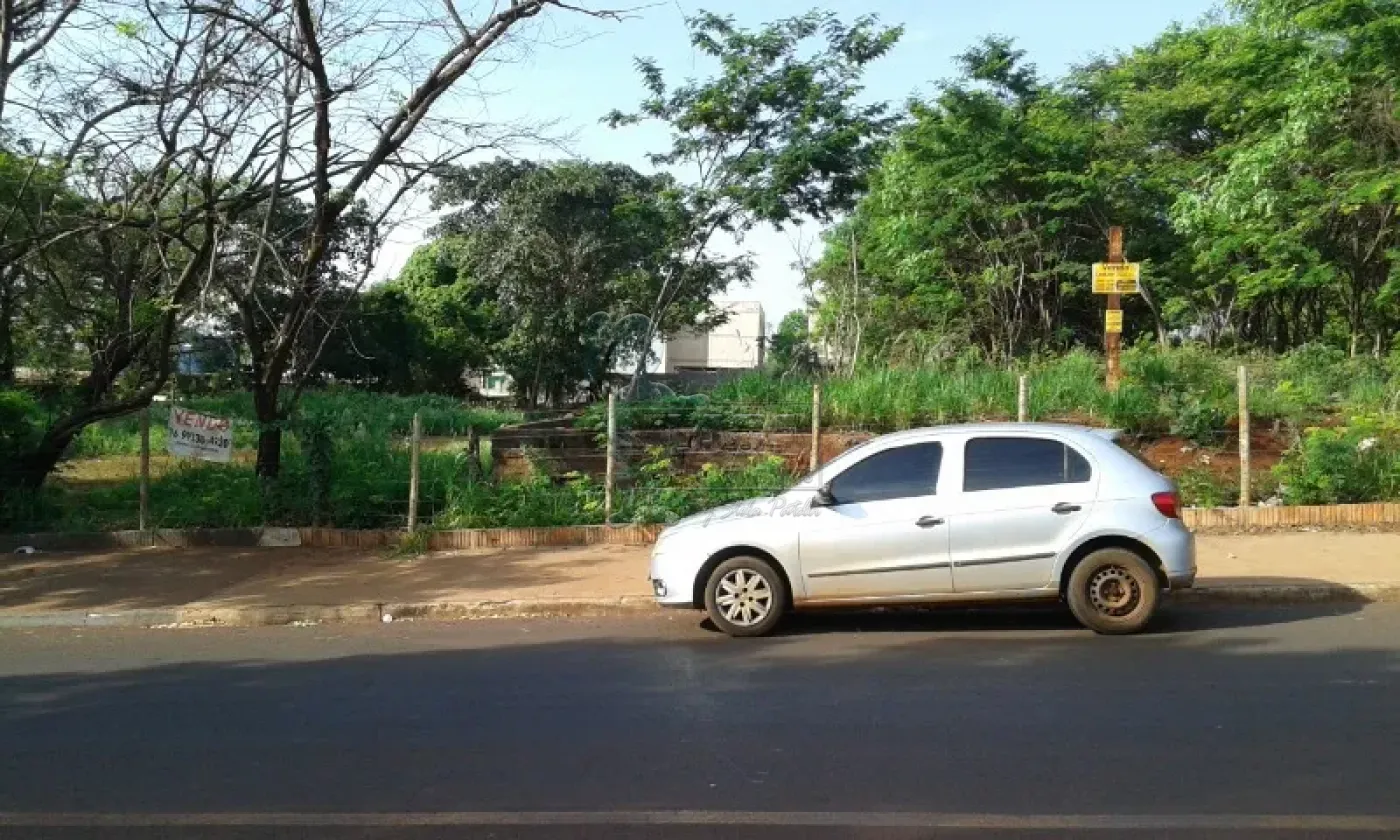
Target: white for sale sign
(194, 435)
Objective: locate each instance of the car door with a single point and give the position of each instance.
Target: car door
(884, 534)
(1023, 499)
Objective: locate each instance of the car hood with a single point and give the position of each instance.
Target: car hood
(760, 508)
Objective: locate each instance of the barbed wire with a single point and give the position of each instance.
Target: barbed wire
(95, 486)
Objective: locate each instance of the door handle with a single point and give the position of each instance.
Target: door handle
(1064, 508)
(929, 522)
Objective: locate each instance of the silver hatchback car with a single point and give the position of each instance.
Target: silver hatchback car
(978, 513)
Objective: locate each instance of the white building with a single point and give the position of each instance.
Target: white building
(737, 344)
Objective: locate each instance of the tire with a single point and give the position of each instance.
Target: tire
(746, 596)
(1113, 592)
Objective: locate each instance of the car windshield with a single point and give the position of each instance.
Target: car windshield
(812, 480)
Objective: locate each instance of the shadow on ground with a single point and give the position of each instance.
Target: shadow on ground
(1289, 712)
(1173, 617)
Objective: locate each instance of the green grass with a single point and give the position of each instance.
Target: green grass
(369, 489)
(1188, 392)
(351, 413)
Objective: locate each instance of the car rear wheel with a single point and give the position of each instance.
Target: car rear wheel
(745, 596)
(1113, 591)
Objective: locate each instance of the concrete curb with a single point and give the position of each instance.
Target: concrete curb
(1257, 594)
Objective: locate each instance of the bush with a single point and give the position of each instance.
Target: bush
(344, 412)
(1200, 487)
(1356, 463)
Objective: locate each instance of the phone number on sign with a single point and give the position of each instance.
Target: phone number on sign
(200, 439)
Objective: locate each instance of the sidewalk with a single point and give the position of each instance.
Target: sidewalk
(145, 587)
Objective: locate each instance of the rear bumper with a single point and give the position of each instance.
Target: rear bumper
(1182, 580)
(1175, 547)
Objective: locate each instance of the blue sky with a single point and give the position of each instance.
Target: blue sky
(580, 69)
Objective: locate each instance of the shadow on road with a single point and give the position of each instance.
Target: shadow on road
(1173, 617)
(1006, 711)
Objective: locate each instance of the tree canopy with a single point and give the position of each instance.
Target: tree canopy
(1252, 160)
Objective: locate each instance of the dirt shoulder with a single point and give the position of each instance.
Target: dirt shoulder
(234, 578)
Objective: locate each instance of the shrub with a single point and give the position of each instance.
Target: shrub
(1200, 487)
(1356, 463)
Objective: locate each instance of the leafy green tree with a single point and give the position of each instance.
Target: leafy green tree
(574, 252)
(790, 350)
(421, 331)
(981, 217)
(1251, 158)
(777, 135)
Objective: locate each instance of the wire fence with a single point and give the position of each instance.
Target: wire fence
(609, 463)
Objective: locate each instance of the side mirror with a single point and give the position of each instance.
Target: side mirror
(823, 498)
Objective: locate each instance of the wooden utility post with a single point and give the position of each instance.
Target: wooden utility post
(611, 475)
(1023, 401)
(1113, 338)
(816, 455)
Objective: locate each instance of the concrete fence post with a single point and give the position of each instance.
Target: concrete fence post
(1023, 402)
(415, 446)
(1244, 438)
(143, 519)
(816, 455)
(610, 476)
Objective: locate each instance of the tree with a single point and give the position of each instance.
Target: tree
(790, 351)
(187, 139)
(421, 331)
(1252, 160)
(26, 28)
(980, 217)
(574, 252)
(352, 95)
(778, 135)
(1306, 194)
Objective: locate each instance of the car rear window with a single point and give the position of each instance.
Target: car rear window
(1137, 456)
(1003, 463)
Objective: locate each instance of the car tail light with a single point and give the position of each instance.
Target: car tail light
(1167, 504)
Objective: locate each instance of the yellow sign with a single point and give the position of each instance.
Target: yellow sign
(1117, 278)
(1113, 321)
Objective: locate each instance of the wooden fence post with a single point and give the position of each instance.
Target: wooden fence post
(1244, 438)
(611, 474)
(143, 519)
(414, 448)
(1022, 400)
(474, 466)
(816, 456)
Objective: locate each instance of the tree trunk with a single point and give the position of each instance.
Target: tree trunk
(269, 463)
(26, 472)
(269, 452)
(7, 334)
(7, 345)
(30, 469)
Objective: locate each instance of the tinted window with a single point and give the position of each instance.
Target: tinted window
(899, 473)
(1002, 463)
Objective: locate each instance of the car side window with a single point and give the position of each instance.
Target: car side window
(1003, 463)
(900, 473)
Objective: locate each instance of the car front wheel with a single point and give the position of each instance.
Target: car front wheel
(1113, 591)
(745, 596)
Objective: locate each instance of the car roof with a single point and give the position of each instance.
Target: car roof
(1004, 428)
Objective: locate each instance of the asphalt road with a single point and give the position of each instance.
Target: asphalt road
(1225, 722)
